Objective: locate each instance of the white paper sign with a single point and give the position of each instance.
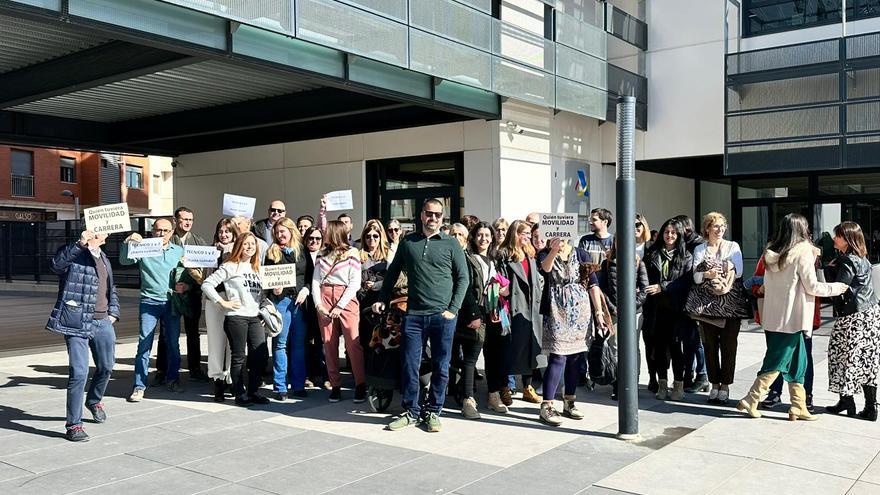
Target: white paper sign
(339, 200)
(561, 225)
(108, 219)
(150, 247)
(276, 276)
(200, 256)
(239, 205)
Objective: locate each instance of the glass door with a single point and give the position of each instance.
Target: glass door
(759, 225)
(866, 213)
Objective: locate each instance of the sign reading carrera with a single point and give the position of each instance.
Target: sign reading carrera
(108, 219)
(278, 276)
(561, 225)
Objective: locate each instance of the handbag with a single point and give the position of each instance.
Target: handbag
(270, 318)
(702, 302)
(602, 361)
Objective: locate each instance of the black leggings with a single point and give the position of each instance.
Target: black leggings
(470, 353)
(246, 332)
(667, 345)
(495, 355)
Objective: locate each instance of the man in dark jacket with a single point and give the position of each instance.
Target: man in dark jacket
(86, 309)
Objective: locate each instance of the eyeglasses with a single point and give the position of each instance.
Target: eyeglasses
(434, 214)
(372, 236)
(276, 210)
(315, 239)
(719, 227)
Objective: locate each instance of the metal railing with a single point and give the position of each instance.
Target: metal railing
(23, 186)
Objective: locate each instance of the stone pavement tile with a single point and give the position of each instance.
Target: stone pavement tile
(843, 454)
(430, 475)
(130, 417)
(334, 470)
(216, 442)
(28, 440)
(67, 453)
(170, 481)
(674, 464)
(862, 488)
(69, 479)
(230, 417)
(269, 456)
(233, 489)
(845, 424)
(9, 472)
(598, 490)
(872, 474)
(743, 436)
(761, 477)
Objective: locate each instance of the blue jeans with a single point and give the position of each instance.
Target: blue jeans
(103, 348)
(694, 354)
(290, 347)
(416, 331)
(152, 312)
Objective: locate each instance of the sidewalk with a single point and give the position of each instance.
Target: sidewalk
(185, 443)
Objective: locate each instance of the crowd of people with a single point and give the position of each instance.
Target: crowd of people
(533, 306)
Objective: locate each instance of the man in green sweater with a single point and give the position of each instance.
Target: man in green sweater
(437, 279)
(155, 306)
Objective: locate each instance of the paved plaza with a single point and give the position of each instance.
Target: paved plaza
(185, 443)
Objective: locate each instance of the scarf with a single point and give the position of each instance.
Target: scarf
(287, 250)
(665, 260)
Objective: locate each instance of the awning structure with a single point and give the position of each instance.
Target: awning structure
(141, 76)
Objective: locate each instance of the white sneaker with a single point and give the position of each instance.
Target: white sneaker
(723, 395)
(549, 415)
(469, 408)
(136, 395)
(494, 403)
(713, 394)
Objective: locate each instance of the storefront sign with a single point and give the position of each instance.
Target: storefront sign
(26, 216)
(108, 219)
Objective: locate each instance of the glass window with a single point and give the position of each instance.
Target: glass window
(134, 177)
(770, 16)
(787, 187)
(68, 169)
(22, 163)
(842, 185)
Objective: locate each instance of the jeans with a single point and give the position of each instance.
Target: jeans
(247, 339)
(103, 347)
(193, 342)
(808, 377)
(694, 354)
(151, 313)
(290, 347)
(415, 331)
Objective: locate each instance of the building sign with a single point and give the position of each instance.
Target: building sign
(25, 216)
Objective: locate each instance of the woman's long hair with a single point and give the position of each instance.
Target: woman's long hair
(225, 222)
(793, 230)
(382, 249)
(237, 254)
(680, 248)
(851, 232)
(335, 239)
(472, 239)
(274, 252)
(510, 248)
(646, 230)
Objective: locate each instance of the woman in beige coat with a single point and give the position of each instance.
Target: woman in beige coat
(790, 288)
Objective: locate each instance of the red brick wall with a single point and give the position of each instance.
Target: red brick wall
(137, 198)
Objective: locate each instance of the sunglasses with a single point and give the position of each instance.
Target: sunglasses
(393, 230)
(639, 225)
(434, 214)
(372, 236)
(276, 210)
(315, 239)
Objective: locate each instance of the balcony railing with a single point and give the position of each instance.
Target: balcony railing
(23, 186)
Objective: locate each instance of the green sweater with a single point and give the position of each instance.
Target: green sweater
(436, 270)
(155, 272)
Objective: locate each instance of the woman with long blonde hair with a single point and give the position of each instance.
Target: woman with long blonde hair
(289, 346)
(240, 276)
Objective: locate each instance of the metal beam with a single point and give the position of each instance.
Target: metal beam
(104, 64)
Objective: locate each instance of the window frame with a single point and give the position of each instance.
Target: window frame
(71, 167)
(134, 169)
(851, 15)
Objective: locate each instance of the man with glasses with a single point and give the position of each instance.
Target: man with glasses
(263, 228)
(155, 306)
(438, 278)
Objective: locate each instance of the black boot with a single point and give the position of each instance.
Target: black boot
(219, 388)
(653, 386)
(845, 403)
(870, 411)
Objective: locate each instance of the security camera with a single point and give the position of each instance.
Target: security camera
(514, 127)
(175, 163)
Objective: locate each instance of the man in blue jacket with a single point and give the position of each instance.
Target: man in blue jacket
(86, 309)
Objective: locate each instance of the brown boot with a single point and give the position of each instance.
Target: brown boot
(529, 395)
(506, 396)
(749, 403)
(798, 408)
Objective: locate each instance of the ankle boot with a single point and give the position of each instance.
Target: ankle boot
(677, 390)
(219, 389)
(870, 411)
(845, 403)
(798, 409)
(653, 386)
(749, 403)
(662, 390)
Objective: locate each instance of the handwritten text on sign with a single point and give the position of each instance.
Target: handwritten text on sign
(108, 219)
(200, 256)
(339, 200)
(561, 225)
(147, 248)
(277, 276)
(238, 205)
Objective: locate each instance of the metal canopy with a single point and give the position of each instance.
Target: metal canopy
(75, 83)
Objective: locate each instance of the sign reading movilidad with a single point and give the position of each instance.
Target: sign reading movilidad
(108, 219)
(561, 225)
(276, 276)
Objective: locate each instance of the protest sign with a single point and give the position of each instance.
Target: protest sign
(561, 225)
(108, 219)
(200, 256)
(339, 200)
(147, 248)
(276, 276)
(238, 205)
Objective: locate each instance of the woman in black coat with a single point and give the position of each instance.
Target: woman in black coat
(670, 275)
